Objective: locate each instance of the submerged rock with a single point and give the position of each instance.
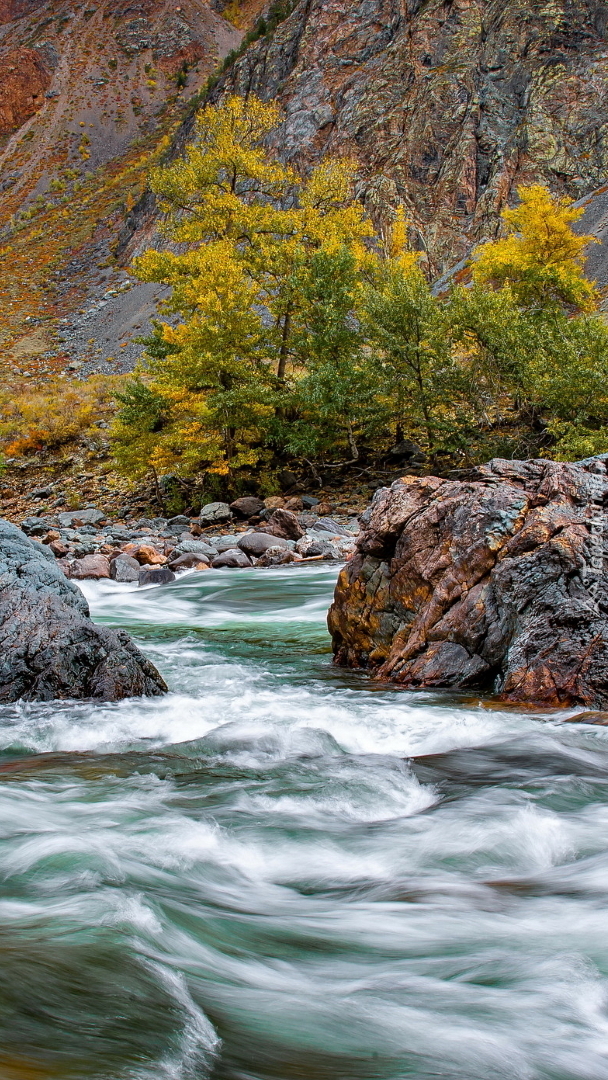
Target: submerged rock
(49, 647)
(495, 584)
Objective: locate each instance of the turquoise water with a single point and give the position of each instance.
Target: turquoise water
(282, 871)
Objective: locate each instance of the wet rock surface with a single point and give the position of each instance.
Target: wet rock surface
(50, 648)
(495, 584)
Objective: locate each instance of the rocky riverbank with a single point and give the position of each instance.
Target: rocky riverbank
(49, 647)
(249, 532)
(496, 584)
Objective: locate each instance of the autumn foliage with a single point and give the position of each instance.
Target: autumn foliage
(294, 330)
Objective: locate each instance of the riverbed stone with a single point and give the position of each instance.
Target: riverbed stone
(124, 568)
(49, 647)
(190, 560)
(90, 516)
(91, 566)
(201, 547)
(234, 558)
(494, 583)
(216, 513)
(155, 575)
(256, 543)
(246, 507)
(147, 555)
(277, 556)
(284, 523)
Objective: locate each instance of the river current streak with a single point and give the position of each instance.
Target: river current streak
(283, 871)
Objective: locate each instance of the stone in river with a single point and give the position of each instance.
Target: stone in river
(312, 546)
(225, 543)
(49, 647)
(246, 507)
(91, 566)
(256, 543)
(233, 558)
(124, 568)
(199, 546)
(284, 523)
(215, 513)
(495, 583)
(327, 524)
(147, 555)
(155, 575)
(277, 556)
(190, 560)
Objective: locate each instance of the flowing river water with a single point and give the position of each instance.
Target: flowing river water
(283, 871)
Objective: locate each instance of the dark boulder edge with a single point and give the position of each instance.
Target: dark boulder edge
(49, 646)
(494, 584)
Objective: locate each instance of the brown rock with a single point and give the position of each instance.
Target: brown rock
(147, 555)
(247, 507)
(284, 523)
(52, 534)
(91, 566)
(274, 502)
(479, 584)
(323, 509)
(59, 548)
(294, 504)
(190, 560)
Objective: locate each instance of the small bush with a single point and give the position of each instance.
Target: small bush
(34, 420)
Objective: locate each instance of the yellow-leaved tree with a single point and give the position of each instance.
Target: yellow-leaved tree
(218, 383)
(541, 258)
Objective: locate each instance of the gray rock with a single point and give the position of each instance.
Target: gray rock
(308, 501)
(155, 575)
(36, 526)
(201, 547)
(256, 544)
(233, 558)
(225, 543)
(124, 568)
(49, 647)
(90, 516)
(327, 524)
(311, 546)
(215, 514)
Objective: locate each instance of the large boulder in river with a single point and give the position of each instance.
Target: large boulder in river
(49, 647)
(494, 584)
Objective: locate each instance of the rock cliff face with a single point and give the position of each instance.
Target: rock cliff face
(24, 78)
(445, 104)
(49, 648)
(495, 584)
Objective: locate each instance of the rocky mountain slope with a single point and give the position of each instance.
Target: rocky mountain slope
(87, 95)
(445, 104)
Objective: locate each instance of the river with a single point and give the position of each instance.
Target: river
(283, 871)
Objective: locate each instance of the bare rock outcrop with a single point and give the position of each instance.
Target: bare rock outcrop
(49, 647)
(447, 105)
(494, 584)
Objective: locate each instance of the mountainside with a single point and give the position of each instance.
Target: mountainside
(445, 104)
(87, 95)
